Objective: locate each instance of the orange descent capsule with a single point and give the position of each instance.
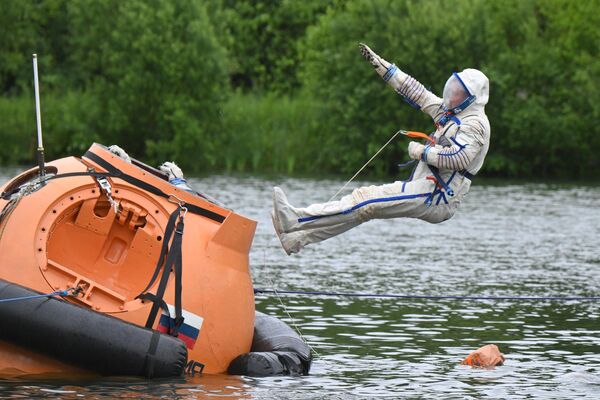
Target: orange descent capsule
(71, 233)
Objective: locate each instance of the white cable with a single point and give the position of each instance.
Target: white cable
(317, 354)
(367, 163)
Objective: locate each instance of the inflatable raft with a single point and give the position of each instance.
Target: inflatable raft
(158, 277)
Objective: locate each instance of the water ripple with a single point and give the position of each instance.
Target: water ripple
(506, 240)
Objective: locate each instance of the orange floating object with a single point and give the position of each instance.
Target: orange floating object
(68, 234)
(485, 357)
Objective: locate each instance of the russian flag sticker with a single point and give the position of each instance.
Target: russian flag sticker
(188, 331)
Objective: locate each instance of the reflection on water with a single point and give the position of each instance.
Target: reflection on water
(509, 240)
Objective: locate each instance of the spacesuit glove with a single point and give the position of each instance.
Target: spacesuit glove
(119, 152)
(171, 169)
(381, 66)
(415, 150)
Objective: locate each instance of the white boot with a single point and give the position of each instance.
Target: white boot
(288, 241)
(278, 231)
(291, 242)
(284, 215)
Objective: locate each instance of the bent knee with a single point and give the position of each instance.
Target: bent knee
(366, 212)
(363, 193)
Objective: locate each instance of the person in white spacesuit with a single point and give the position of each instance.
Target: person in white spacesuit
(440, 180)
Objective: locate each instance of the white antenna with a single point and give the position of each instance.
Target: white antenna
(40, 149)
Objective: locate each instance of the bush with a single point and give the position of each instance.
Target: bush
(156, 69)
(268, 134)
(262, 38)
(363, 111)
(17, 130)
(144, 75)
(154, 76)
(64, 132)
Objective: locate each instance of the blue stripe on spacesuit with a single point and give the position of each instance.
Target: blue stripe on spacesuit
(440, 197)
(390, 72)
(454, 160)
(412, 103)
(410, 178)
(364, 203)
(462, 146)
(424, 153)
(442, 154)
(411, 90)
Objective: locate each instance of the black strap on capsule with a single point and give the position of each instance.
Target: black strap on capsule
(117, 173)
(114, 172)
(151, 355)
(170, 260)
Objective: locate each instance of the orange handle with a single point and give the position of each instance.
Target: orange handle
(418, 135)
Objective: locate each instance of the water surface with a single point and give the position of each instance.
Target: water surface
(505, 240)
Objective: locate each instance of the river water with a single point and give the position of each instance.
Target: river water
(505, 240)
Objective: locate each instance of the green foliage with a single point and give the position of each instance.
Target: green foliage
(155, 66)
(268, 133)
(144, 75)
(17, 116)
(262, 37)
(547, 89)
(65, 132)
(18, 32)
(363, 111)
(156, 77)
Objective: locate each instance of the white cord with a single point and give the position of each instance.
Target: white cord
(367, 163)
(284, 307)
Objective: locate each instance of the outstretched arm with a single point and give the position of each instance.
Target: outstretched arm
(413, 91)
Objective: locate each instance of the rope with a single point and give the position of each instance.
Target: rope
(292, 320)
(427, 297)
(66, 292)
(367, 163)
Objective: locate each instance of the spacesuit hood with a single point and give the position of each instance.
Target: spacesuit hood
(477, 84)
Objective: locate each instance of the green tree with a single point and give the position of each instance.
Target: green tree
(262, 38)
(27, 27)
(17, 42)
(156, 68)
(546, 80)
(154, 76)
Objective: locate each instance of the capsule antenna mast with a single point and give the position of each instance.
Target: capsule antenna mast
(40, 149)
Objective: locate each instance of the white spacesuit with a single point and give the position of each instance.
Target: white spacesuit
(440, 180)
